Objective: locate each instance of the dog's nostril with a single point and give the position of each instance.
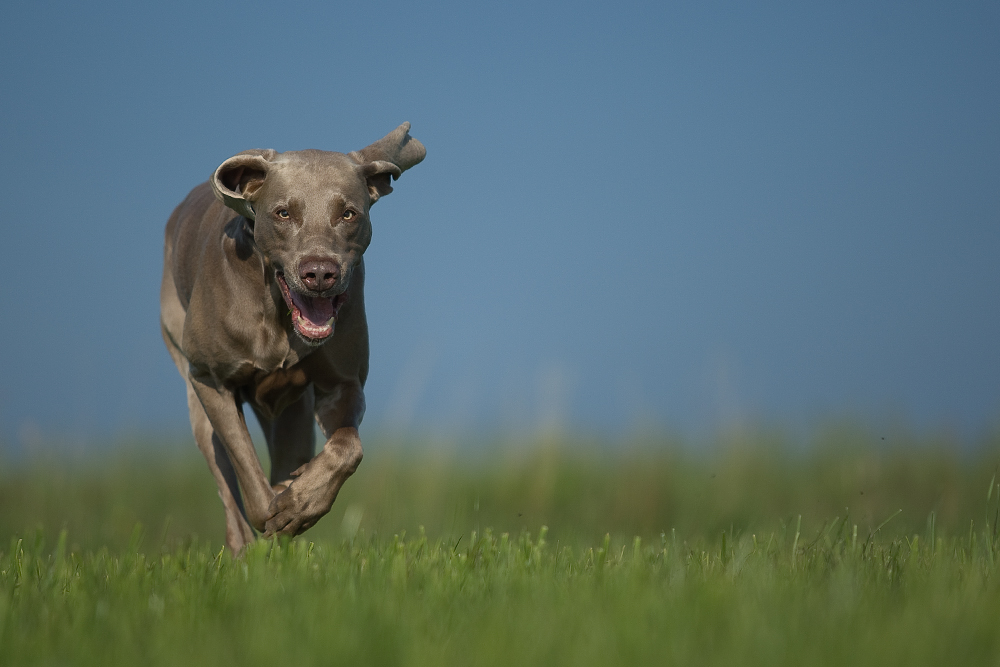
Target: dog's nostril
(319, 274)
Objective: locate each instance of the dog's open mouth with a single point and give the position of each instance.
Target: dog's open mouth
(312, 316)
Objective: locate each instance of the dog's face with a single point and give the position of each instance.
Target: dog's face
(310, 216)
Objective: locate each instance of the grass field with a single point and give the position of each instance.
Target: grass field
(842, 550)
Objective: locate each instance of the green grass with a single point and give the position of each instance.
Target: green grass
(561, 553)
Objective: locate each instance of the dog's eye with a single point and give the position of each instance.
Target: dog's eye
(283, 213)
(348, 215)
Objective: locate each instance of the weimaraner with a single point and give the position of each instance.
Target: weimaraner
(261, 265)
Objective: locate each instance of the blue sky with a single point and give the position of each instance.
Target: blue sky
(678, 216)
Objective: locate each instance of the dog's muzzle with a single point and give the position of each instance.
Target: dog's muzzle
(313, 317)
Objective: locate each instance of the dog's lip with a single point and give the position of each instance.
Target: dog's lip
(309, 313)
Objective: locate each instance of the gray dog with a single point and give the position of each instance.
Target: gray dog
(249, 306)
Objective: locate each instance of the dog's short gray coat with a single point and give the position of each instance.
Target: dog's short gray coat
(262, 302)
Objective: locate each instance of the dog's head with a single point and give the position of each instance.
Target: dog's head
(309, 213)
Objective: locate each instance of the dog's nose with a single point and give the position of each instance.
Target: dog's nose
(318, 273)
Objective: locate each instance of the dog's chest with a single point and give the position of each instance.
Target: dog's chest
(279, 375)
(273, 391)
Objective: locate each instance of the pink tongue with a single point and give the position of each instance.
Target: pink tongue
(317, 310)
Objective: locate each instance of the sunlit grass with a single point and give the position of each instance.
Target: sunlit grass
(500, 599)
(559, 553)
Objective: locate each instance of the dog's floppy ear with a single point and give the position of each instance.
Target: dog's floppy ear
(387, 158)
(238, 179)
(379, 175)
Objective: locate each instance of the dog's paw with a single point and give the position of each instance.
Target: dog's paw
(313, 487)
(291, 514)
(308, 497)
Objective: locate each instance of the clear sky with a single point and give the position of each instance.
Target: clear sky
(631, 214)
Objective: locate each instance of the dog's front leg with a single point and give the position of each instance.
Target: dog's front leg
(315, 485)
(227, 421)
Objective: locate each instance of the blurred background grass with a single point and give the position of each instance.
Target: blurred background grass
(581, 488)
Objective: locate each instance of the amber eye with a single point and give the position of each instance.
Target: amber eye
(348, 215)
(283, 213)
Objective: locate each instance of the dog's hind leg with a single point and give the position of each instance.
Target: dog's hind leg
(316, 484)
(291, 439)
(238, 530)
